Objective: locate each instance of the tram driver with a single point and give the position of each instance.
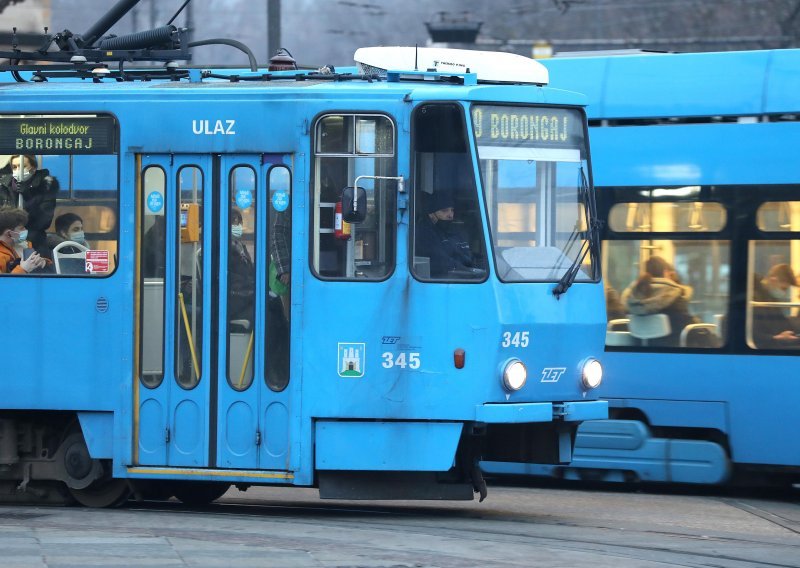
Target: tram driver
(444, 244)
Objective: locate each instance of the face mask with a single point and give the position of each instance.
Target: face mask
(77, 236)
(21, 175)
(23, 236)
(236, 231)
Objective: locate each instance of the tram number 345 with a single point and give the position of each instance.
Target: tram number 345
(402, 360)
(516, 339)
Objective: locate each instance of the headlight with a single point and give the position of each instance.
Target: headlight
(514, 375)
(592, 373)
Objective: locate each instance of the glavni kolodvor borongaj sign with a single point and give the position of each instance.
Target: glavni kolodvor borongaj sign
(77, 134)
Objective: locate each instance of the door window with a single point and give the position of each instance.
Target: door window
(190, 277)
(241, 287)
(278, 313)
(153, 271)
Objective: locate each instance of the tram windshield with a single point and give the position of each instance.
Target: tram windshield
(533, 163)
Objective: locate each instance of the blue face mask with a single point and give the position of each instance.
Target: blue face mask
(23, 236)
(77, 236)
(236, 231)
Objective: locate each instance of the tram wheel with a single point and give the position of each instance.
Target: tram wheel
(199, 492)
(103, 493)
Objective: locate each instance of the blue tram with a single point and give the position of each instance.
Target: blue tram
(259, 293)
(695, 164)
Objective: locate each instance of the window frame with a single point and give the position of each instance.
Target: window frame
(314, 234)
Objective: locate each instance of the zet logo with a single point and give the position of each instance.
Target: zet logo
(351, 360)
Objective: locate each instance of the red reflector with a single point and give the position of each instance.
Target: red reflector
(459, 357)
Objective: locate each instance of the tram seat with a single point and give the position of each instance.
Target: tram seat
(422, 266)
(239, 347)
(699, 335)
(619, 339)
(649, 327)
(621, 324)
(70, 262)
(240, 326)
(618, 333)
(153, 326)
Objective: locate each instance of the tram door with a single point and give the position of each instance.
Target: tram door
(214, 334)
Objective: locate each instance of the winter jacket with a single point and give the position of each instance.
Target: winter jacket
(9, 260)
(39, 194)
(666, 297)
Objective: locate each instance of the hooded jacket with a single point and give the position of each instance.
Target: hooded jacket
(666, 297)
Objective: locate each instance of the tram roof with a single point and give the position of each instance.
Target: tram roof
(683, 84)
(417, 87)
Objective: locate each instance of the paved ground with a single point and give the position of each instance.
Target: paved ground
(515, 526)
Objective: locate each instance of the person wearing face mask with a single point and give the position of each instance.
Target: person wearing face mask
(33, 190)
(437, 239)
(241, 273)
(14, 241)
(69, 227)
(771, 328)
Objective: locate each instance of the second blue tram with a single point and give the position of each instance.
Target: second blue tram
(257, 296)
(696, 164)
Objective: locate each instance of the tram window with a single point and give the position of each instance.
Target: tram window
(686, 280)
(779, 216)
(533, 163)
(667, 217)
(773, 300)
(73, 221)
(278, 311)
(448, 241)
(153, 271)
(347, 147)
(190, 277)
(241, 276)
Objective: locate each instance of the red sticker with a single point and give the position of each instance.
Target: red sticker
(96, 261)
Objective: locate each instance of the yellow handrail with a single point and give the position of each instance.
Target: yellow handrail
(246, 359)
(189, 335)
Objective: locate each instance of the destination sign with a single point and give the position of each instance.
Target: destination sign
(498, 125)
(58, 135)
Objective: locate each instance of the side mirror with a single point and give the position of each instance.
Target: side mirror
(354, 204)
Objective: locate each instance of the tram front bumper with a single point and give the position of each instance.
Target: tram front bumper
(516, 413)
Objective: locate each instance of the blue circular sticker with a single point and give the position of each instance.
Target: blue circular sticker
(280, 200)
(155, 201)
(244, 199)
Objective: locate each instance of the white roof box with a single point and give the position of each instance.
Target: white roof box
(489, 66)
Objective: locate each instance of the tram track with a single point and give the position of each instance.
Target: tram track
(380, 521)
(544, 531)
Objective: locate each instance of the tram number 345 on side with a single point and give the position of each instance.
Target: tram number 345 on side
(515, 339)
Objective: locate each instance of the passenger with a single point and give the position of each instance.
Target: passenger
(771, 328)
(33, 190)
(446, 247)
(154, 260)
(13, 243)
(281, 240)
(69, 227)
(657, 292)
(241, 273)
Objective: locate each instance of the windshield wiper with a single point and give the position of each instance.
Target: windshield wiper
(590, 244)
